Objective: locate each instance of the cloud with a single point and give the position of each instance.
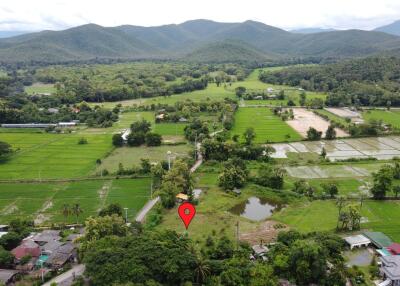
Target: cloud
(61, 14)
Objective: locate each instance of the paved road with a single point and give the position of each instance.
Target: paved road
(147, 207)
(67, 278)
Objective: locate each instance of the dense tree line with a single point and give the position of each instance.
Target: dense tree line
(371, 81)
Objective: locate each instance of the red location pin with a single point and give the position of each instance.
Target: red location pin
(186, 211)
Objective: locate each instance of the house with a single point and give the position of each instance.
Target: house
(27, 247)
(258, 97)
(160, 116)
(394, 248)
(378, 239)
(183, 119)
(357, 241)
(7, 276)
(27, 125)
(390, 270)
(46, 236)
(270, 90)
(66, 124)
(383, 252)
(60, 256)
(53, 110)
(259, 251)
(182, 197)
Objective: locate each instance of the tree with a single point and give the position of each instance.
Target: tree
(6, 258)
(330, 133)
(77, 211)
(117, 140)
(99, 227)
(111, 209)
(240, 91)
(136, 138)
(269, 176)
(201, 270)
(382, 182)
(5, 149)
(249, 135)
(153, 139)
(82, 141)
(323, 152)
(66, 211)
(303, 97)
(313, 134)
(331, 189)
(396, 191)
(234, 175)
(142, 126)
(145, 166)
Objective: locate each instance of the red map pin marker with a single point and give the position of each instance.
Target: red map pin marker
(186, 211)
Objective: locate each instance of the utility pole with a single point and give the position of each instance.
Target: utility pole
(195, 148)
(237, 235)
(126, 215)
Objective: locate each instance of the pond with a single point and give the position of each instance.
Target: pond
(359, 257)
(255, 208)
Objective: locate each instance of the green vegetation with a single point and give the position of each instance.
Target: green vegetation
(389, 117)
(267, 126)
(40, 88)
(49, 156)
(43, 202)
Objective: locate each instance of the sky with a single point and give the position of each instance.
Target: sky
(29, 15)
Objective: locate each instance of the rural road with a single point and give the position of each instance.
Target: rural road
(147, 207)
(67, 278)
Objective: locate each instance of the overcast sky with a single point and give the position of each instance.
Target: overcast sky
(287, 14)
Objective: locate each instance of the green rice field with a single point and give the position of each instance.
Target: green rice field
(51, 156)
(267, 126)
(40, 88)
(391, 117)
(44, 202)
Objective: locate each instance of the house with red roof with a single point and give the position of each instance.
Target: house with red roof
(27, 247)
(394, 248)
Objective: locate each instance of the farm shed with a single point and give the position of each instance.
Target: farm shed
(46, 236)
(379, 239)
(27, 125)
(7, 276)
(383, 252)
(357, 241)
(394, 248)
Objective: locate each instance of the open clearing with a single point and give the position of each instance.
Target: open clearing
(381, 148)
(267, 126)
(130, 156)
(304, 119)
(40, 88)
(46, 200)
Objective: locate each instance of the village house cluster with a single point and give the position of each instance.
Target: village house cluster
(39, 254)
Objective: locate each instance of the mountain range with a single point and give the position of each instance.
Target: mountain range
(197, 40)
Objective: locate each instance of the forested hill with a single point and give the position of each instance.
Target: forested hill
(369, 81)
(197, 40)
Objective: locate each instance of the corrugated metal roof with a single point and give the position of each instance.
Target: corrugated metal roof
(379, 239)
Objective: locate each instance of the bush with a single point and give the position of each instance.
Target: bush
(117, 140)
(153, 139)
(82, 141)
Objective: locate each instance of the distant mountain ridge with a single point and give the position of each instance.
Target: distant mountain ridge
(199, 40)
(311, 30)
(393, 28)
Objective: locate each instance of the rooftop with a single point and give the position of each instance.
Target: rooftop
(394, 248)
(391, 266)
(378, 238)
(357, 239)
(6, 275)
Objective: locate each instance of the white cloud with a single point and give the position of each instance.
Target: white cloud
(60, 14)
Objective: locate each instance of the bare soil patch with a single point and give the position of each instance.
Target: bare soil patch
(266, 232)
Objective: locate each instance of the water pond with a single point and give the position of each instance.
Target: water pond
(255, 208)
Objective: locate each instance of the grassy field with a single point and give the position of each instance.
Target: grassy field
(130, 156)
(44, 202)
(267, 126)
(322, 216)
(40, 88)
(212, 92)
(52, 155)
(391, 117)
(252, 82)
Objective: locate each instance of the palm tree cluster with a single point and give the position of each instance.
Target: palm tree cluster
(74, 210)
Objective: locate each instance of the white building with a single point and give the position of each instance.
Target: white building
(357, 241)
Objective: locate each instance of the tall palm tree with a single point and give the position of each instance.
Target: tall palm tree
(76, 210)
(66, 211)
(202, 270)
